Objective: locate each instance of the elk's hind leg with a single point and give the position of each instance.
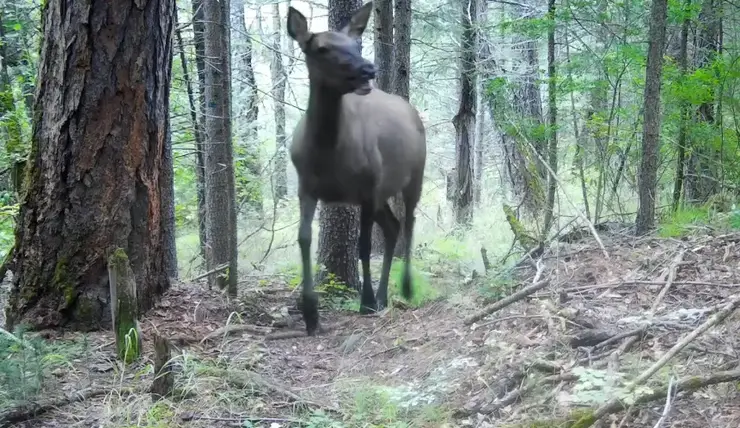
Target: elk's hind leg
(367, 300)
(390, 226)
(408, 231)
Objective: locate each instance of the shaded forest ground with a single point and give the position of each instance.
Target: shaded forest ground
(571, 346)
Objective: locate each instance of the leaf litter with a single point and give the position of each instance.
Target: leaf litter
(556, 357)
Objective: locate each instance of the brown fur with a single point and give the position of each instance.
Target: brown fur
(356, 144)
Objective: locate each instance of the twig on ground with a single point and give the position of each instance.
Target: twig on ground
(672, 271)
(236, 418)
(244, 379)
(685, 384)
(667, 407)
(514, 395)
(30, 410)
(620, 336)
(236, 328)
(524, 292)
(615, 403)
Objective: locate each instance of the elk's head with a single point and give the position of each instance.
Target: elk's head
(333, 58)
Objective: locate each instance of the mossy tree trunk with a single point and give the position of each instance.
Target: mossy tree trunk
(93, 179)
(124, 307)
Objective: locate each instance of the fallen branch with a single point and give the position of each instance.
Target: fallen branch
(685, 384)
(30, 410)
(218, 269)
(524, 292)
(245, 379)
(615, 403)
(236, 328)
(672, 270)
(514, 395)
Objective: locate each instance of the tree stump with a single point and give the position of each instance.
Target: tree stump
(164, 380)
(124, 306)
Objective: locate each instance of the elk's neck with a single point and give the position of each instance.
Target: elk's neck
(323, 115)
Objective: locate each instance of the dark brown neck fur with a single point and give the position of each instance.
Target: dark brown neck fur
(323, 115)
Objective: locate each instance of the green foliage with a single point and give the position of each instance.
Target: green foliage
(679, 223)
(423, 291)
(336, 295)
(26, 363)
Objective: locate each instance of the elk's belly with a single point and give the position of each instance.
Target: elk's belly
(332, 190)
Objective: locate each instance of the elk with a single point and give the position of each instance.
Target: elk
(355, 145)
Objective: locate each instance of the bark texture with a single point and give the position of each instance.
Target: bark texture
(648, 176)
(552, 121)
(93, 179)
(339, 225)
(277, 71)
(383, 44)
(464, 120)
(200, 168)
(704, 166)
(219, 163)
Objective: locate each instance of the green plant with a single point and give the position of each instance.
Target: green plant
(423, 292)
(26, 362)
(678, 223)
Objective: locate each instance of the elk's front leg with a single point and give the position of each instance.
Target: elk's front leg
(367, 301)
(310, 298)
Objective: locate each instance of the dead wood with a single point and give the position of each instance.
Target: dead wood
(524, 292)
(236, 328)
(615, 403)
(589, 337)
(217, 269)
(685, 384)
(246, 379)
(164, 379)
(30, 410)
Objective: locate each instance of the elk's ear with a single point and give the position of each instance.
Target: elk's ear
(297, 26)
(358, 23)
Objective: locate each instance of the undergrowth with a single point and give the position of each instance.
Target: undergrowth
(26, 363)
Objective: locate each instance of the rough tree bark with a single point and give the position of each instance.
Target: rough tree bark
(200, 168)
(464, 120)
(219, 163)
(277, 71)
(339, 224)
(647, 179)
(383, 43)
(704, 165)
(93, 180)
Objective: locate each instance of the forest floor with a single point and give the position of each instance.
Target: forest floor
(594, 325)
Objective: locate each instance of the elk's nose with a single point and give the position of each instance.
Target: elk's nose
(368, 71)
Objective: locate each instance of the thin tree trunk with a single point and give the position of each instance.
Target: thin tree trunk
(200, 168)
(219, 164)
(647, 188)
(683, 60)
(93, 181)
(339, 224)
(552, 105)
(249, 191)
(278, 98)
(464, 120)
(703, 169)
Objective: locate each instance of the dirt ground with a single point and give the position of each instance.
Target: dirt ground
(596, 323)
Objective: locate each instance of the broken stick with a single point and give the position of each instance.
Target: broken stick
(524, 292)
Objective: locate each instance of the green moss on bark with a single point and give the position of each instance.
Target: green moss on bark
(125, 322)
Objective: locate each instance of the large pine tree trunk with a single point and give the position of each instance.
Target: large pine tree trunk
(464, 120)
(93, 181)
(219, 164)
(647, 179)
(339, 224)
(552, 121)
